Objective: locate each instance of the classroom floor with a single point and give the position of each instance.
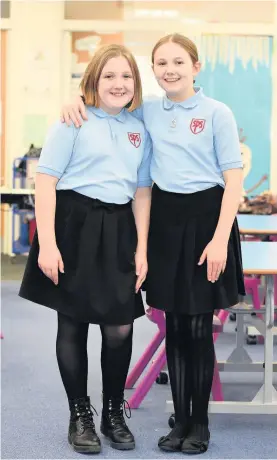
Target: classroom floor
(34, 407)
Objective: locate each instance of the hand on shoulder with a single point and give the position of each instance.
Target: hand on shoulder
(74, 111)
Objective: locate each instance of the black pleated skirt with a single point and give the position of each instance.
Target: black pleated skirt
(181, 226)
(97, 242)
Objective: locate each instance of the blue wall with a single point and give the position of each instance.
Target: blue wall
(245, 85)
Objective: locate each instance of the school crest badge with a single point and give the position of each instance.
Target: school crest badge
(197, 125)
(135, 139)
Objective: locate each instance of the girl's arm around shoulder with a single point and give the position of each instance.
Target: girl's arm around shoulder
(149, 104)
(74, 112)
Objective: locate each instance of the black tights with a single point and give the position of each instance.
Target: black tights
(190, 358)
(71, 348)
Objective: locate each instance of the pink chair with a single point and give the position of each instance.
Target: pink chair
(159, 363)
(252, 288)
(157, 317)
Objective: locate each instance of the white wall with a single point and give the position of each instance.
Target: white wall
(34, 69)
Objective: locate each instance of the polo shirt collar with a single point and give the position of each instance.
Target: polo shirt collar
(189, 103)
(121, 116)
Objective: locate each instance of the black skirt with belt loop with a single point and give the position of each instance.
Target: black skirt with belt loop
(181, 226)
(97, 242)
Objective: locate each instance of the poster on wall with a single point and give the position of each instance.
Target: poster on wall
(84, 45)
(237, 71)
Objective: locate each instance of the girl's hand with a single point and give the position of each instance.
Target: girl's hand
(75, 112)
(50, 262)
(141, 268)
(216, 254)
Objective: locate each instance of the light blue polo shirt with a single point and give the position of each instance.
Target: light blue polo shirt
(194, 142)
(107, 158)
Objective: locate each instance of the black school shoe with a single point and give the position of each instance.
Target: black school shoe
(174, 440)
(197, 440)
(113, 424)
(81, 433)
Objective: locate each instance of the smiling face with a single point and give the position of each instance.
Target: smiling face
(175, 70)
(116, 85)
(112, 80)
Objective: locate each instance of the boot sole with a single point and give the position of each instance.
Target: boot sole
(85, 449)
(187, 452)
(120, 445)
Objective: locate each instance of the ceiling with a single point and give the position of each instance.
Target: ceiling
(247, 11)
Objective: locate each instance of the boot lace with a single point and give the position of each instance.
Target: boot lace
(85, 414)
(117, 416)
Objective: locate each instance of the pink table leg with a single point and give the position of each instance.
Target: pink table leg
(217, 387)
(222, 316)
(144, 360)
(148, 380)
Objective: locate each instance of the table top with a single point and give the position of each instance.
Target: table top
(259, 258)
(257, 225)
(16, 191)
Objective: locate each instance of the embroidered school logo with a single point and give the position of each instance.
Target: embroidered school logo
(135, 139)
(197, 125)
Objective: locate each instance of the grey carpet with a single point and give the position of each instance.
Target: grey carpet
(35, 412)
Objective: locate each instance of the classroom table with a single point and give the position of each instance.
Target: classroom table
(250, 224)
(14, 195)
(259, 258)
(260, 226)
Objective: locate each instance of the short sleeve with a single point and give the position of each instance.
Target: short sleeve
(144, 177)
(57, 150)
(149, 103)
(226, 139)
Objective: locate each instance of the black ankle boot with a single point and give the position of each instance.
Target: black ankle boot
(197, 440)
(173, 441)
(113, 425)
(81, 433)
